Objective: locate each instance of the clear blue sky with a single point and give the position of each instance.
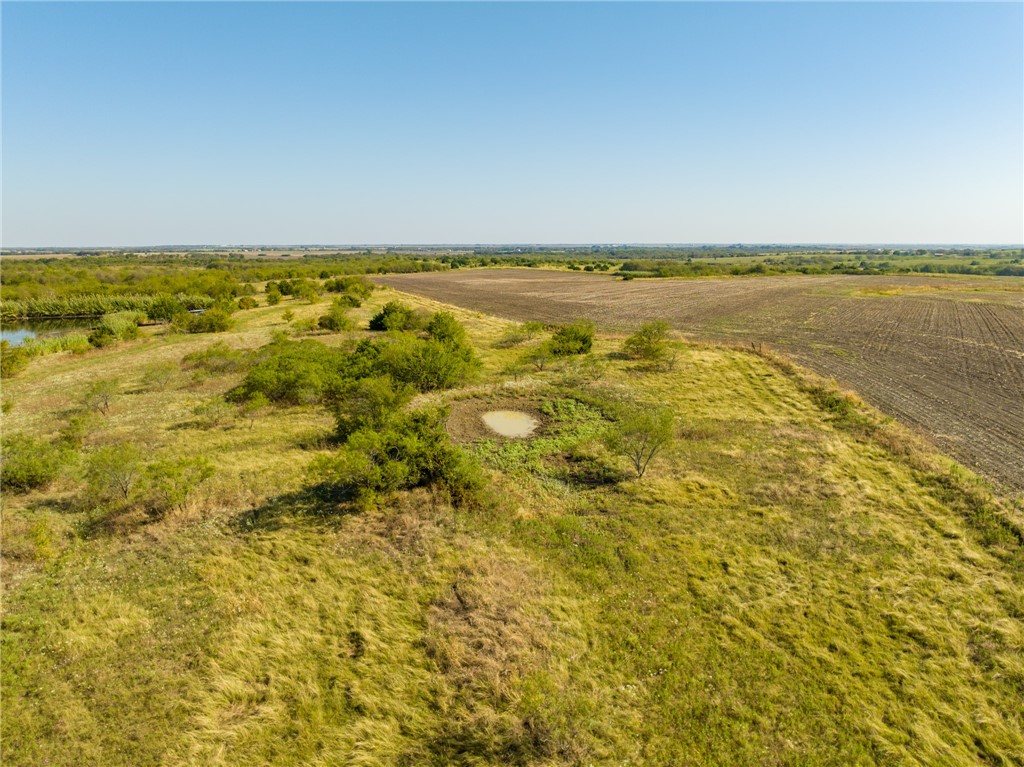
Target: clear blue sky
(188, 123)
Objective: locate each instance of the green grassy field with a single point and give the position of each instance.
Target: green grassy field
(795, 582)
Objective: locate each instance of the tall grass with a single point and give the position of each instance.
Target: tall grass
(69, 342)
(90, 305)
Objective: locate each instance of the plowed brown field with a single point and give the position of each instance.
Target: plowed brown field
(944, 355)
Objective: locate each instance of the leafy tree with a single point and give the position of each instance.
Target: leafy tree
(540, 357)
(288, 315)
(114, 471)
(640, 434)
(216, 359)
(99, 395)
(294, 373)
(575, 338)
(213, 320)
(165, 308)
(273, 297)
(247, 302)
(160, 375)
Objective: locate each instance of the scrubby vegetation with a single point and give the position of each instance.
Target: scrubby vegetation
(275, 550)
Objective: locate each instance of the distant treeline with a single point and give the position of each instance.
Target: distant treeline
(222, 277)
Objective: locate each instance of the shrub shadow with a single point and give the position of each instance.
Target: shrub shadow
(319, 503)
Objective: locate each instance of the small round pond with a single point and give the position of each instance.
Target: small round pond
(510, 423)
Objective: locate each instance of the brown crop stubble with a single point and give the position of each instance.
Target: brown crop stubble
(944, 355)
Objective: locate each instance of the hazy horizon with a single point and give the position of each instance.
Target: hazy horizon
(512, 123)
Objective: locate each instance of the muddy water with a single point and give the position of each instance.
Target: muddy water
(510, 423)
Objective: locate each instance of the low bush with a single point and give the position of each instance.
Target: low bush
(412, 450)
(293, 373)
(640, 434)
(13, 359)
(369, 403)
(337, 319)
(357, 287)
(519, 334)
(273, 297)
(428, 364)
(648, 342)
(213, 320)
(98, 396)
(170, 484)
(113, 472)
(247, 302)
(27, 463)
(216, 359)
(394, 316)
(575, 338)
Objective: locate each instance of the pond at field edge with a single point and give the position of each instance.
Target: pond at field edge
(510, 423)
(18, 332)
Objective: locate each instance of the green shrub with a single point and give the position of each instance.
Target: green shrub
(216, 359)
(394, 316)
(80, 425)
(640, 434)
(213, 320)
(294, 373)
(247, 302)
(99, 395)
(102, 337)
(212, 413)
(369, 403)
(13, 359)
(337, 318)
(165, 309)
(445, 328)
(648, 342)
(172, 483)
(27, 463)
(159, 376)
(428, 364)
(575, 338)
(113, 472)
(357, 287)
(273, 297)
(412, 450)
(518, 334)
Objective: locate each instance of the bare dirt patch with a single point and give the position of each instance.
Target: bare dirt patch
(944, 355)
(466, 422)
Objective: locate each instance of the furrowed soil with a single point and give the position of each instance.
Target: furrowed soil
(944, 355)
